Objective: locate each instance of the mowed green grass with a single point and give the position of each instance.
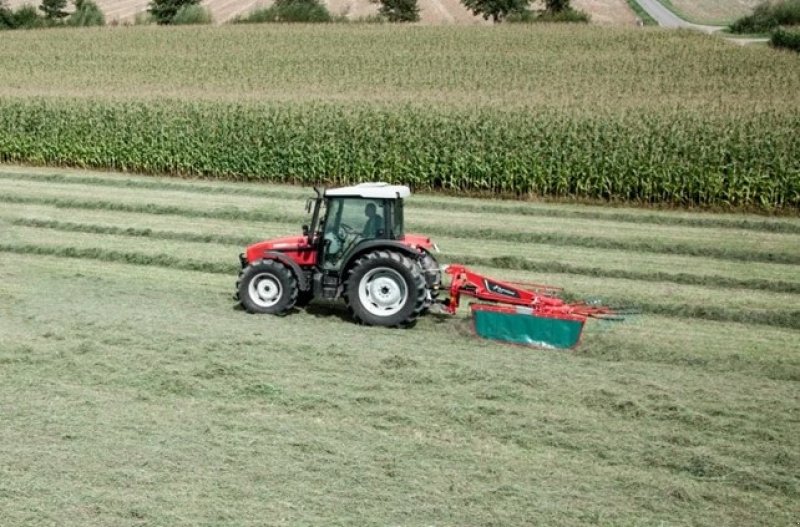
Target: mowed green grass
(132, 392)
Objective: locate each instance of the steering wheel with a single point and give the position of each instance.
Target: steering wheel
(346, 229)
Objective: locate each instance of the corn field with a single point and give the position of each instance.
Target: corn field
(615, 115)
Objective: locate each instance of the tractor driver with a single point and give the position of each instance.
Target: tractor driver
(374, 222)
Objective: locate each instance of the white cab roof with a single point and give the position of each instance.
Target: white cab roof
(372, 190)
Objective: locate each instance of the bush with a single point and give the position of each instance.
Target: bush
(768, 15)
(54, 9)
(786, 38)
(568, 15)
(27, 17)
(290, 11)
(6, 16)
(86, 14)
(144, 18)
(164, 11)
(399, 10)
(192, 14)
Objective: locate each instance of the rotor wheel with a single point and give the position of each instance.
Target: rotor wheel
(267, 286)
(386, 288)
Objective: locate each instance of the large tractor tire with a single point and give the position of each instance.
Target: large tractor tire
(267, 286)
(386, 288)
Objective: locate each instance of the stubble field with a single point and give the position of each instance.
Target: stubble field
(132, 392)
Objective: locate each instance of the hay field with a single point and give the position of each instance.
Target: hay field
(133, 393)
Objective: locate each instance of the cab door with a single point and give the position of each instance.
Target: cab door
(350, 221)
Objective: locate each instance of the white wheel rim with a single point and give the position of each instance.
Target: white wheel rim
(265, 290)
(382, 291)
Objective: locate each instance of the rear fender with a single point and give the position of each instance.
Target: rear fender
(374, 245)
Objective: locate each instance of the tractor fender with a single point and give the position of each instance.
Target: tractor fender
(373, 245)
(301, 277)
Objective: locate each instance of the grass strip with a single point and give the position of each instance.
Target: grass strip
(89, 228)
(645, 17)
(649, 246)
(234, 213)
(133, 258)
(720, 282)
(788, 318)
(501, 262)
(222, 213)
(522, 209)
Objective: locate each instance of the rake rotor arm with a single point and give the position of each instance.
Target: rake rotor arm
(539, 298)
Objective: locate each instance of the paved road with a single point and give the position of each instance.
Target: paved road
(667, 18)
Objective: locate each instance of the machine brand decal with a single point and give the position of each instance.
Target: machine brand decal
(499, 289)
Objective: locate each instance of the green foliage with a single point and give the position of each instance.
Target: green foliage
(192, 14)
(303, 11)
(556, 6)
(86, 13)
(54, 10)
(568, 15)
(497, 10)
(768, 15)
(644, 158)
(399, 10)
(7, 20)
(164, 11)
(27, 17)
(787, 38)
(545, 120)
(145, 18)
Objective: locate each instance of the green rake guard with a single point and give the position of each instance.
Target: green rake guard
(518, 325)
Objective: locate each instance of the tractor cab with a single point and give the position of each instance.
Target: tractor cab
(354, 216)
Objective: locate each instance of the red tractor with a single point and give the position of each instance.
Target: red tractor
(355, 248)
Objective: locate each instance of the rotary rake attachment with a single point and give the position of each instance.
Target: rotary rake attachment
(528, 314)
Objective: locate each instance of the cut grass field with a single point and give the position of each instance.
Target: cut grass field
(133, 393)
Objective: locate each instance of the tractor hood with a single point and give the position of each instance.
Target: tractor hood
(285, 244)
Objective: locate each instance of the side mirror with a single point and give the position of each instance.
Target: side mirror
(309, 201)
(305, 230)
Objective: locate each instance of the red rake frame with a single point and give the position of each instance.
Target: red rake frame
(538, 303)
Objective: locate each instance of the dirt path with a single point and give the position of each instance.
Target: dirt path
(667, 18)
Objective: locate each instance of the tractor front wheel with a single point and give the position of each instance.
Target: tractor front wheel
(385, 288)
(267, 286)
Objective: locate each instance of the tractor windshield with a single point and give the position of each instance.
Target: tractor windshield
(348, 221)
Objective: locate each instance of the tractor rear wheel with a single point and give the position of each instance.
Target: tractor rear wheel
(385, 288)
(267, 286)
